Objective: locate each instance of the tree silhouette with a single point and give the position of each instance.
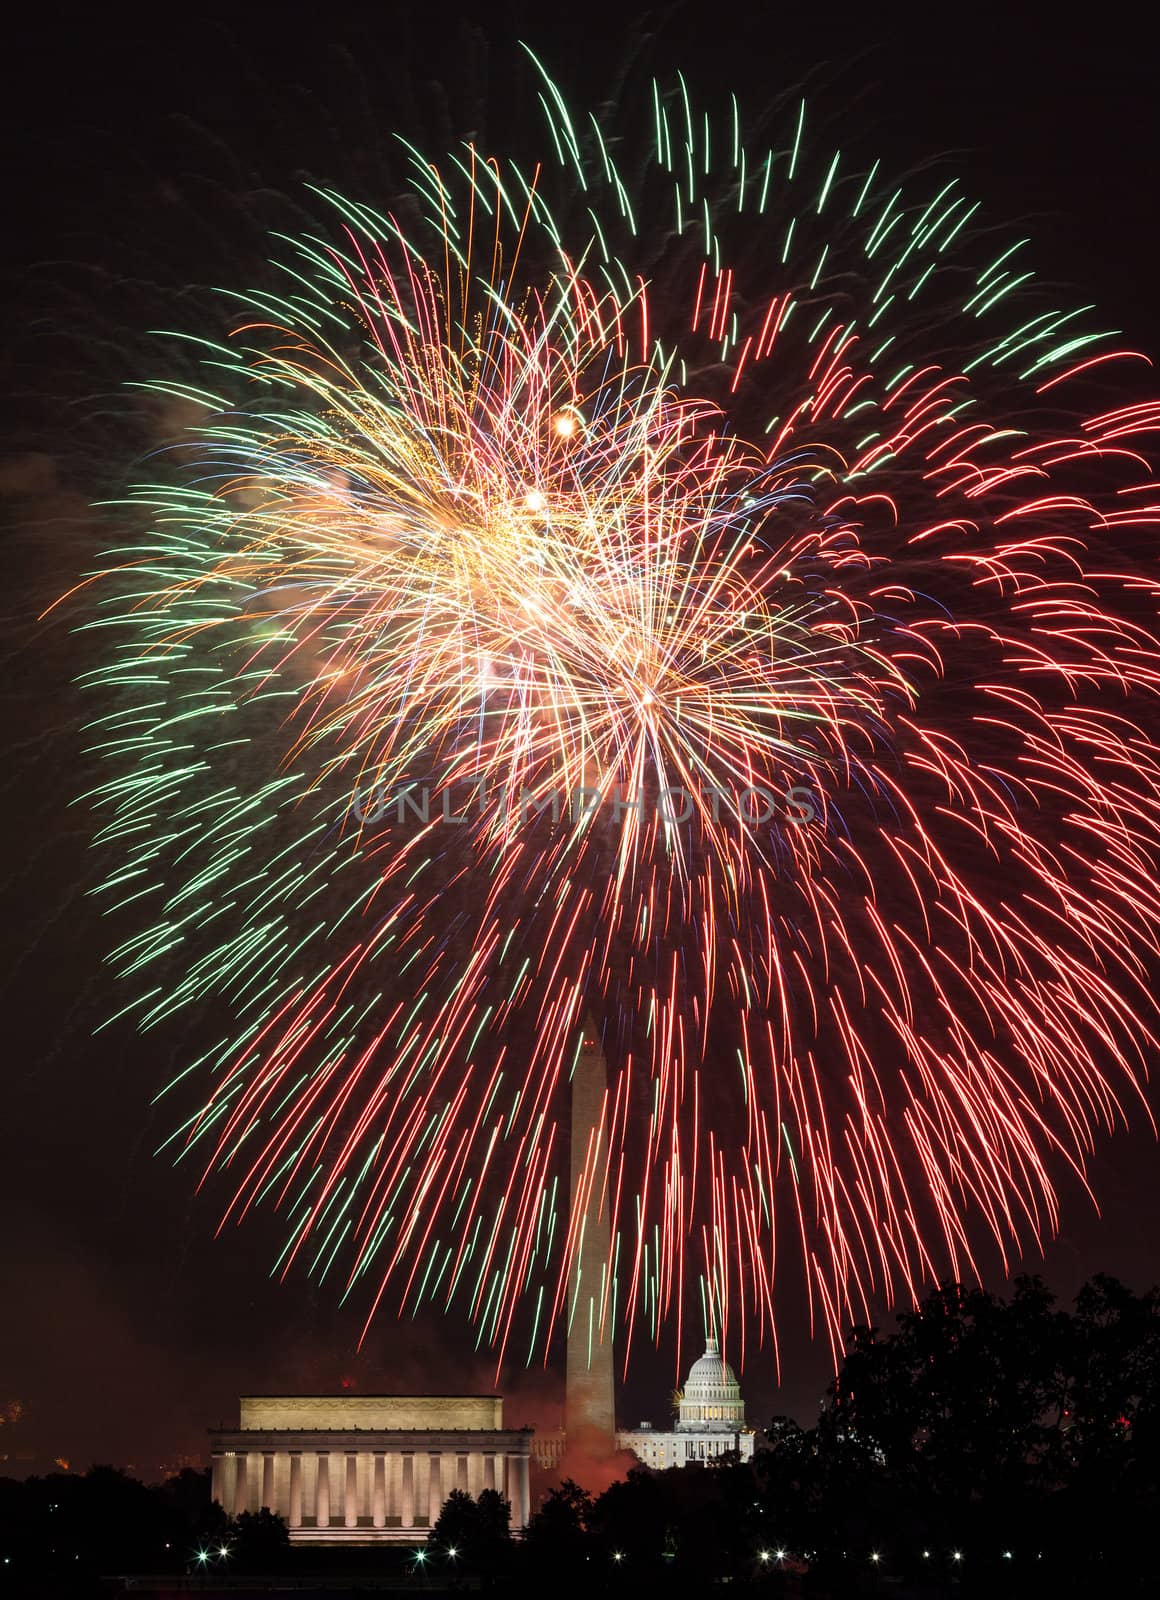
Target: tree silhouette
(474, 1531)
(259, 1541)
(557, 1534)
(998, 1426)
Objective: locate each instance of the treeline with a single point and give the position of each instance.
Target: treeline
(60, 1533)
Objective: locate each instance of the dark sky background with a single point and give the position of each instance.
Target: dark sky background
(144, 156)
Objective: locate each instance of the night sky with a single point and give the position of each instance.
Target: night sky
(145, 159)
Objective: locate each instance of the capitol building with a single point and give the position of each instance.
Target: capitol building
(710, 1419)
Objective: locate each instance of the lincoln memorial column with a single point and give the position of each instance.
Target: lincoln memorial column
(336, 1465)
(379, 1492)
(281, 1500)
(322, 1493)
(267, 1499)
(394, 1475)
(350, 1495)
(499, 1468)
(525, 1497)
(248, 1483)
(310, 1463)
(421, 1467)
(295, 1489)
(225, 1480)
(435, 1497)
(337, 1488)
(407, 1499)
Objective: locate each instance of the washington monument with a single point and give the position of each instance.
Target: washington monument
(589, 1405)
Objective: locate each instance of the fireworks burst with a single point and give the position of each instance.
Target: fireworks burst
(680, 600)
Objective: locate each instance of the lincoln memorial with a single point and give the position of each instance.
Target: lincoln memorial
(360, 1469)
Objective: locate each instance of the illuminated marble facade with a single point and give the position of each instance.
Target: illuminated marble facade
(364, 1469)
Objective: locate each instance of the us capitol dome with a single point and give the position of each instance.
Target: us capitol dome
(710, 1419)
